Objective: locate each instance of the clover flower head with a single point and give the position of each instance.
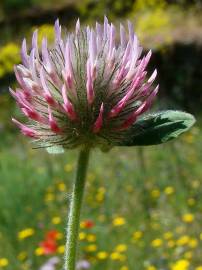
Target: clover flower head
(89, 87)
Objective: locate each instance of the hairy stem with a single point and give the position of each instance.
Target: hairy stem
(75, 209)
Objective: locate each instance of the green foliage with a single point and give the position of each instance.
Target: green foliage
(7, 108)
(152, 193)
(45, 30)
(152, 19)
(142, 5)
(96, 9)
(159, 128)
(16, 4)
(52, 4)
(9, 55)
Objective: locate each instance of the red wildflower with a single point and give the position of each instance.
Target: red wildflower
(88, 224)
(49, 246)
(51, 235)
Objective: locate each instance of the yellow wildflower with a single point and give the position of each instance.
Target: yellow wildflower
(91, 248)
(82, 236)
(22, 256)
(56, 220)
(82, 224)
(39, 251)
(100, 194)
(137, 235)
(188, 218)
(3, 262)
(183, 240)
(99, 197)
(169, 190)
(116, 256)
(124, 268)
(121, 248)
(155, 193)
(193, 243)
(181, 265)
(168, 235)
(157, 243)
(45, 30)
(91, 237)
(9, 55)
(102, 255)
(25, 233)
(49, 197)
(119, 221)
(198, 268)
(61, 186)
(61, 249)
(59, 236)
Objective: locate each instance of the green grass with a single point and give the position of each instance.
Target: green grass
(127, 182)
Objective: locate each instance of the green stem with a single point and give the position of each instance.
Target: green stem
(75, 209)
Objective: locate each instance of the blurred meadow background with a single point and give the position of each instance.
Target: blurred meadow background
(142, 206)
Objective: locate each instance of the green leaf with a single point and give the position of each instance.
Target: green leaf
(158, 128)
(55, 150)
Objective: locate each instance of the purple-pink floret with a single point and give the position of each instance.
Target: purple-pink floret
(89, 87)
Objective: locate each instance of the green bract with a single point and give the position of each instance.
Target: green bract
(55, 149)
(158, 128)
